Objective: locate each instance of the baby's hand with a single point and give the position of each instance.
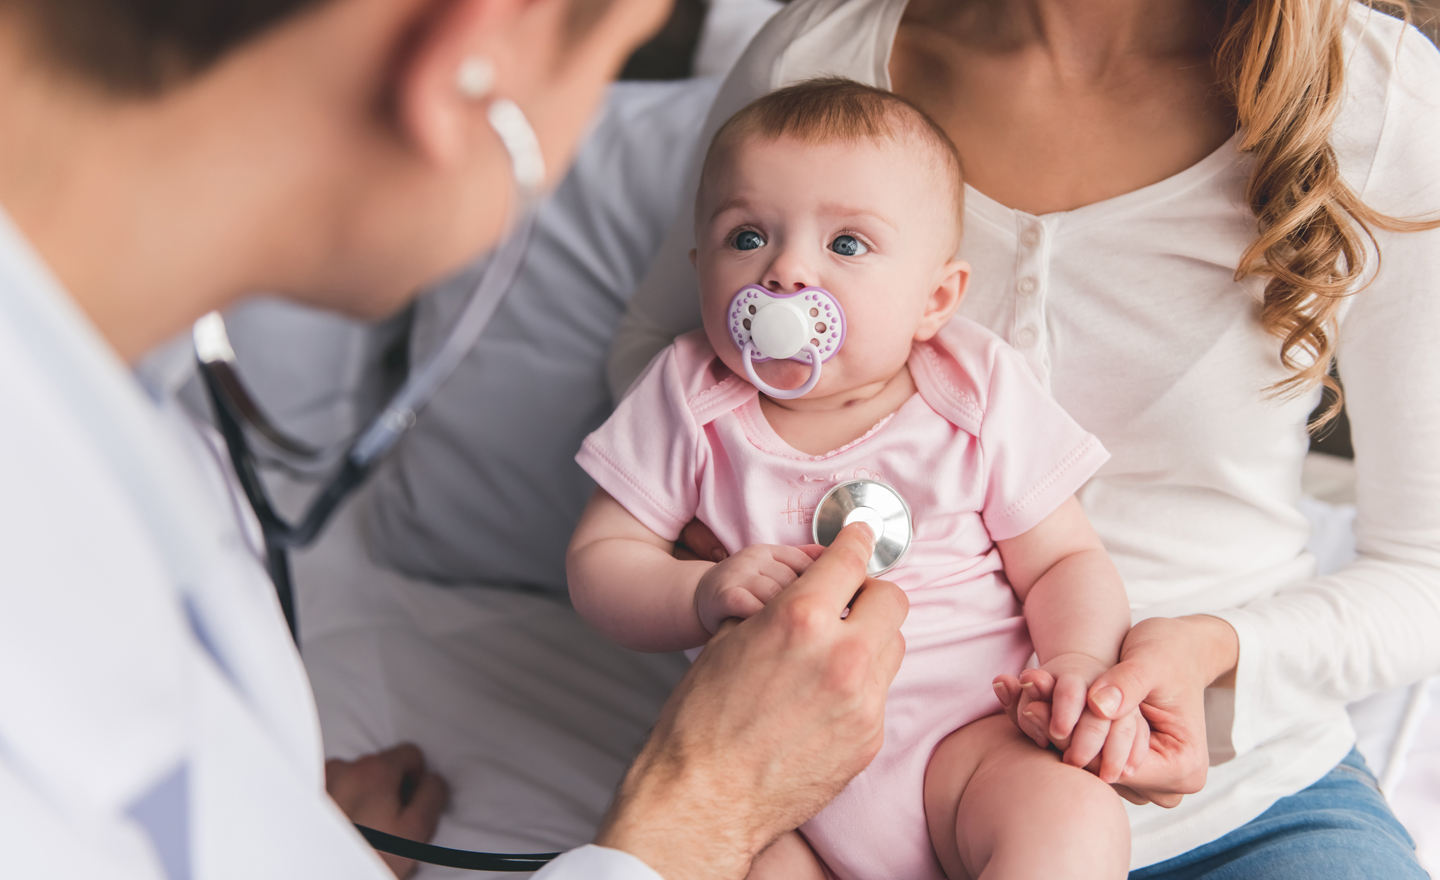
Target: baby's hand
(740, 585)
(1053, 709)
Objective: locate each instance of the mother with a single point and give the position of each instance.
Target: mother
(1176, 211)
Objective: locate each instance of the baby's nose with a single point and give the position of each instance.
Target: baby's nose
(789, 274)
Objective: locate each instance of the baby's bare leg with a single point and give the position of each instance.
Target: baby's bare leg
(1000, 808)
(788, 858)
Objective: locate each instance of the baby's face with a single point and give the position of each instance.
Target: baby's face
(869, 222)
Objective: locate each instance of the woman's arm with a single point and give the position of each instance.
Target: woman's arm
(1300, 655)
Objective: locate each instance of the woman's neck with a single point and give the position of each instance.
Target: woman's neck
(1081, 37)
(816, 427)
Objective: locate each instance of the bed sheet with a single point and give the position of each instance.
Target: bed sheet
(530, 716)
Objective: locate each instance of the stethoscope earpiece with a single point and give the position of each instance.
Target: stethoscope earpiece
(806, 326)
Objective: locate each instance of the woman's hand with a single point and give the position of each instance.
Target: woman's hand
(1052, 709)
(773, 720)
(1165, 666)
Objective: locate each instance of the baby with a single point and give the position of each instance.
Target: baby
(845, 201)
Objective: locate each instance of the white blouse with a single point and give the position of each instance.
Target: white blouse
(1129, 311)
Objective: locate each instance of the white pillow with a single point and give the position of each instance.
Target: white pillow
(485, 487)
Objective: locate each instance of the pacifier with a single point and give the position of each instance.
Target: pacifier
(806, 326)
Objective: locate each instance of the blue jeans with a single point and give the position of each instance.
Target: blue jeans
(1340, 828)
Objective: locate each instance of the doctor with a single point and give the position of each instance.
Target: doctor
(157, 161)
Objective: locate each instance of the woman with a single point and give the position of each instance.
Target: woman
(159, 162)
(1170, 204)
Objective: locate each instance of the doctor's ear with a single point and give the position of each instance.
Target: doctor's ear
(951, 282)
(460, 54)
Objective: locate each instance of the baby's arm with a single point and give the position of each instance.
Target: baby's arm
(626, 582)
(1078, 614)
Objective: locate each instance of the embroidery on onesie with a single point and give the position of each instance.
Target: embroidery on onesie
(980, 453)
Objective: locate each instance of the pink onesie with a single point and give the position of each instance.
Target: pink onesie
(981, 453)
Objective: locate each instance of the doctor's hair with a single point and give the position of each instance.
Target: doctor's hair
(832, 109)
(142, 47)
(139, 48)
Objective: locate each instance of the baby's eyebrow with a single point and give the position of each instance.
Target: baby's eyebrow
(728, 205)
(839, 210)
(832, 209)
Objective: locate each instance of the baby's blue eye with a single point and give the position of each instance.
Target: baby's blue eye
(848, 246)
(748, 240)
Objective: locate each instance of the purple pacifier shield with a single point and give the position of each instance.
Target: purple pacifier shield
(827, 329)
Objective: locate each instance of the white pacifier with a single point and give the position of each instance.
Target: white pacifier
(806, 326)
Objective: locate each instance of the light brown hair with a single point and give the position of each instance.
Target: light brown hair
(832, 109)
(1282, 65)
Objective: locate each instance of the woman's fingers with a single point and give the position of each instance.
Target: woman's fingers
(1120, 689)
(1115, 752)
(1140, 748)
(1007, 691)
(1034, 720)
(700, 541)
(1038, 683)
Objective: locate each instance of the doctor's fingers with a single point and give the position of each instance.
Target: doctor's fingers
(875, 617)
(831, 582)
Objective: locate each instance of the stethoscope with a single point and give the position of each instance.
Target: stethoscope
(351, 461)
(806, 326)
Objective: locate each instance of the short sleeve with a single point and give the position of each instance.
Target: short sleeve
(647, 454)
(1035, 455)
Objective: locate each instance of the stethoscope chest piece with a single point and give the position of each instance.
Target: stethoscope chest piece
(878, 506)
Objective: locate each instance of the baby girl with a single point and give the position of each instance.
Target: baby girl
(839, 205)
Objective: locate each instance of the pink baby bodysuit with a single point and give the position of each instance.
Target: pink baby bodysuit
(981, 453)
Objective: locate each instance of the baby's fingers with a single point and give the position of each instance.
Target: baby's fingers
(1067, 704)
(737, 602)
(1087, 740)
(793, 557)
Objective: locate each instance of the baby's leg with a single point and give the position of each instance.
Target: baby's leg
(1000, 808)
(788, 858)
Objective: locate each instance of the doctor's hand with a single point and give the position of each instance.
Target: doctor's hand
(390, 791)
(776, 716)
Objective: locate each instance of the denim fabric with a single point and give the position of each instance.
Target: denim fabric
(1340, 828)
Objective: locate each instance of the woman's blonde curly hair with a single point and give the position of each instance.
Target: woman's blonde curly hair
(1282, 65)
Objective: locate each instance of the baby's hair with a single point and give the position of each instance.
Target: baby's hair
(830, 109)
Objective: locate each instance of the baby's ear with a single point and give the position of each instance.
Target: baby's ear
(951, 282)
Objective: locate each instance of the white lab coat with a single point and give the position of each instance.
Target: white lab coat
(155, 719)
